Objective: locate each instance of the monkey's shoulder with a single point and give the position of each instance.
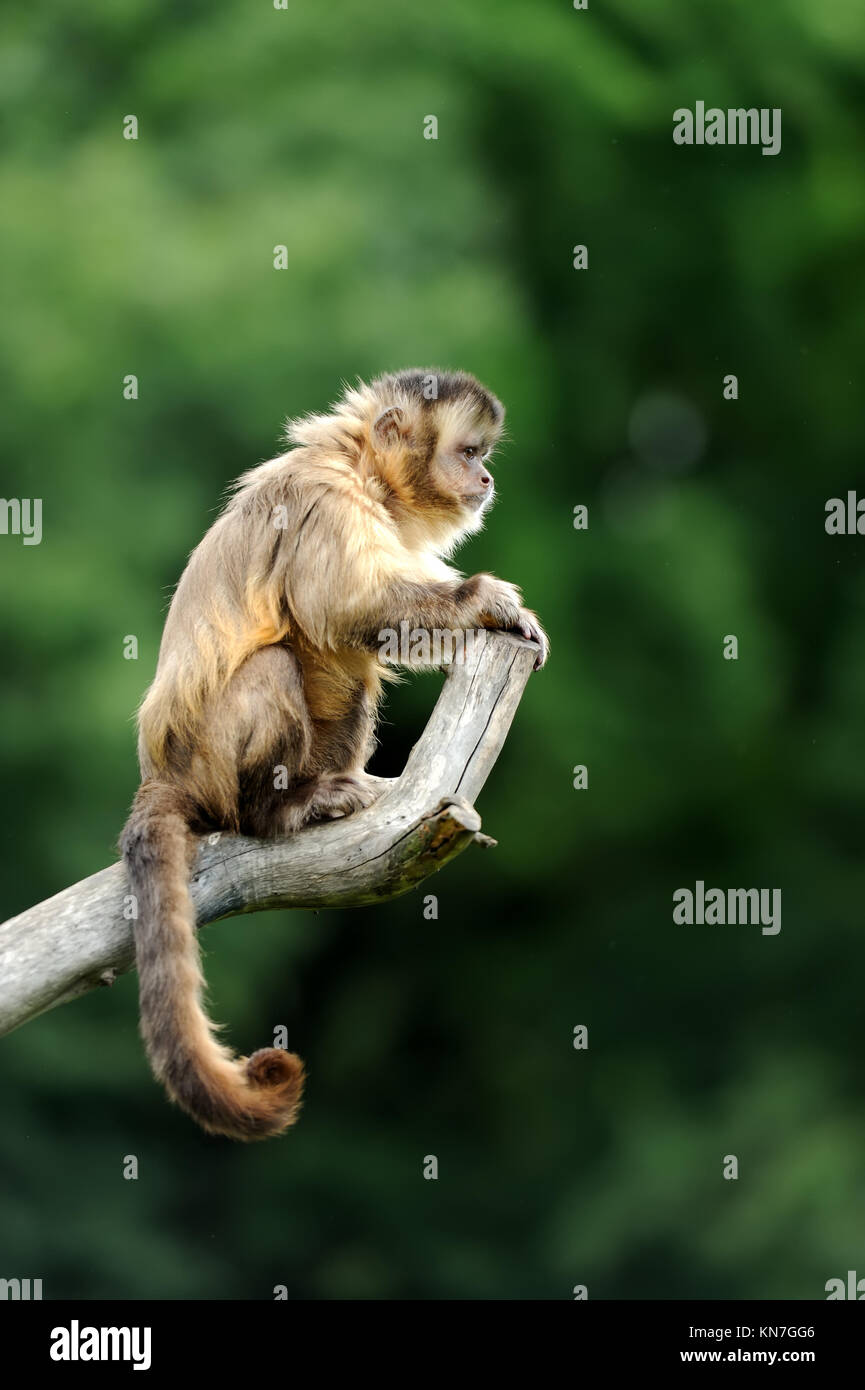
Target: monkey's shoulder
(303, 478)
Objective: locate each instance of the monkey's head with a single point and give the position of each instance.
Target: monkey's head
(422, 438)
(431, 434)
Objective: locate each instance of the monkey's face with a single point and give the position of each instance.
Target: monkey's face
(461, 433)
(434, 452)
(460, 473)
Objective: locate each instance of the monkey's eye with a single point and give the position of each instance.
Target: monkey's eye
(470, 451)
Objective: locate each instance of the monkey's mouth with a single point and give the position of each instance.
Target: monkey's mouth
(476, 501)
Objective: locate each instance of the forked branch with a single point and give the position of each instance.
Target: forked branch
(79, 939)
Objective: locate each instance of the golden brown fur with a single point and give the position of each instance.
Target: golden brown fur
(270, 660)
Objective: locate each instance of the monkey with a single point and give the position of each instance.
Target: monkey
(270, 660)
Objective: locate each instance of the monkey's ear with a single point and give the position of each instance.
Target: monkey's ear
(390, 426)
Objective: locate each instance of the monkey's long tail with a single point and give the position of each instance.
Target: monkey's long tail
(235, 1096)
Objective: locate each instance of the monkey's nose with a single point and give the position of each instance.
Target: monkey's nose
(485, 480)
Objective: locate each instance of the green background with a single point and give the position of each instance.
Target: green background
(706, 517)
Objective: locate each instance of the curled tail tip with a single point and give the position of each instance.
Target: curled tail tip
(277, 1079)
(274, 1069)
(259, 1099)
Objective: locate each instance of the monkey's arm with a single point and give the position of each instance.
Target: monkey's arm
(425, 605)
(453, 604)
(351, 579)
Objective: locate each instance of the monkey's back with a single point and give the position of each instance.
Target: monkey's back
(259, 578)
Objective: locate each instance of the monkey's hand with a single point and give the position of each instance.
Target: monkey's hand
(500, 605)
(496, 603)
(530, 628)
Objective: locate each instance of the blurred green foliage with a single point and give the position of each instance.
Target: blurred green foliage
(304, 127)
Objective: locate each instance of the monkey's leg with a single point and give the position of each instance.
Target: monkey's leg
(342, 744)
(260, 727)
(291, 769)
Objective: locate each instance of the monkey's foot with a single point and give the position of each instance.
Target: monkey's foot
(330, 797)
(341, 793)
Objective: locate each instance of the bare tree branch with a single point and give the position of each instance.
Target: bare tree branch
(79, 939)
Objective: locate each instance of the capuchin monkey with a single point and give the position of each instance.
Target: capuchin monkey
(270, 659)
